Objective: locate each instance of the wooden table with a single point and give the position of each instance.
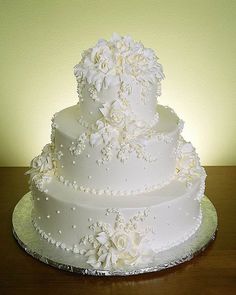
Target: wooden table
(212, 272)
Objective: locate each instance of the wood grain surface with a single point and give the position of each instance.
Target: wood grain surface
(212, 272)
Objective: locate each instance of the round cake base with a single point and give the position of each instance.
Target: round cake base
(39, 248)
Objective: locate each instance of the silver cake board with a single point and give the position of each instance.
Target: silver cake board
(39, 248)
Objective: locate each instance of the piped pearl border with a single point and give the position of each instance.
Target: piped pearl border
(112, 192)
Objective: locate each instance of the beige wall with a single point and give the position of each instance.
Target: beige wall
(41, 41)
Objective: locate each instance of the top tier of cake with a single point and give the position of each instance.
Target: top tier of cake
(119, 79)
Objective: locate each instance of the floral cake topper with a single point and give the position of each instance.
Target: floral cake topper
(120, 59)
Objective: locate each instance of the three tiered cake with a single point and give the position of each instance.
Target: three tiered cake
(117, 184)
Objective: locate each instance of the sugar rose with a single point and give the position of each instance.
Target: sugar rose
(121, 241)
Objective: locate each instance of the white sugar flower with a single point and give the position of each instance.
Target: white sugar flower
(115, 114)
(188, 163)
(105, 134)
(41, 166)
(121, 241)
(43, 162)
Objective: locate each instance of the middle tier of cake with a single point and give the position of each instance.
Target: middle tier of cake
(89, 159)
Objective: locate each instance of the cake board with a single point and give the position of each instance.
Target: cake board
(25, 234)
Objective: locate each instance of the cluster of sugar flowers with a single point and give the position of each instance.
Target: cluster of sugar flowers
(42, 166)
(120, 59)
(118, 125)
(188, 163)
(118, 246)
(117, 249)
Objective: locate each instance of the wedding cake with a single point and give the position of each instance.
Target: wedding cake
(117, 184)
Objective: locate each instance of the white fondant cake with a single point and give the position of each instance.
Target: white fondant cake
(118, 183)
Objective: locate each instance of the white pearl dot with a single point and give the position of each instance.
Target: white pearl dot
(61, 145)
(48, 216)
(90, 219)
(58, 211)
(49, 234)
(73, 208)
(74, 226)
(89, 177)
(91, 113)
(72, 142)
(88, 155)
(38, 199)
(46, 198)
(62, 166)
(73, 162)
(60, 232)
(39, 217)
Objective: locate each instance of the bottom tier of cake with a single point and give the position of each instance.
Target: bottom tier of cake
(116, 231)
